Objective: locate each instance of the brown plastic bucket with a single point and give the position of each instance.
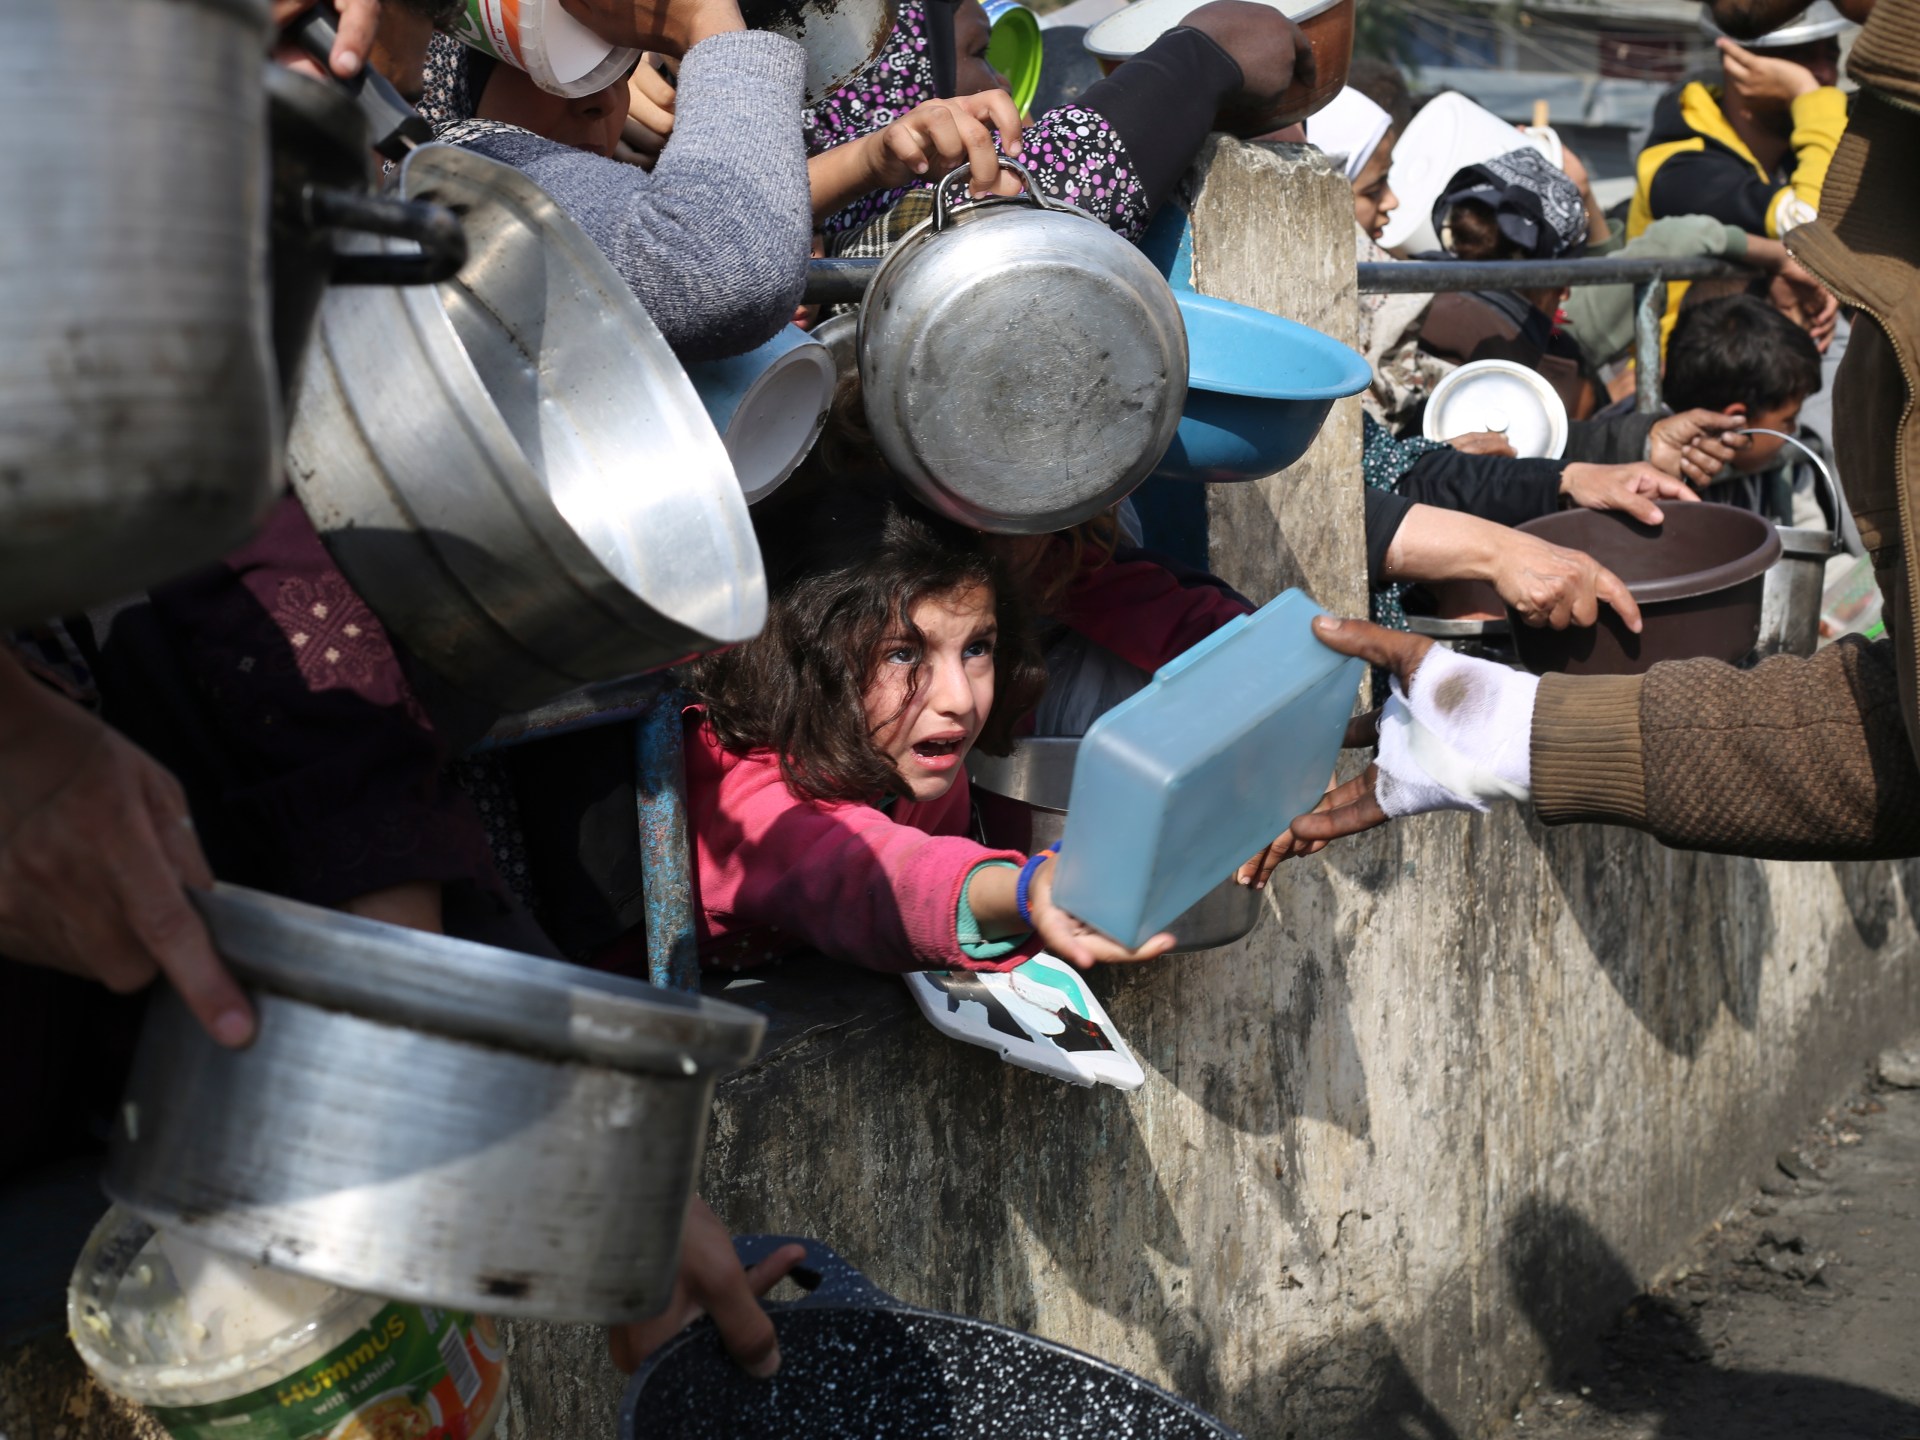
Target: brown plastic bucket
(1698, 579)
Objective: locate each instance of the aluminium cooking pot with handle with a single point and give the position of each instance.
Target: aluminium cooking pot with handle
(856, 1361)
(1023, 366)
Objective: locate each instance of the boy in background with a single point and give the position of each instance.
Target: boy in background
(1739, 355)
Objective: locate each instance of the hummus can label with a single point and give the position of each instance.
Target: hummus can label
(413, 1373)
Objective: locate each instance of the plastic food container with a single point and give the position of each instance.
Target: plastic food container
(1013, 48)
(218, 1348)
(563, 56)
(1182, 783)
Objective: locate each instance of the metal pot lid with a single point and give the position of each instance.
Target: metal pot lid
(1504, 397)
(474, 992)
(1023, 366)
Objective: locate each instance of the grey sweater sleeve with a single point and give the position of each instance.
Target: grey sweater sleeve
(715, 241)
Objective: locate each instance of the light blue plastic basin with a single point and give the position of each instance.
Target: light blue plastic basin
(1258, 391)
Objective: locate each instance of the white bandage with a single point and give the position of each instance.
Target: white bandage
(1461, 742)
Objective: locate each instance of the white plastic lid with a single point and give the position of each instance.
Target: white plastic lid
(1504, 397)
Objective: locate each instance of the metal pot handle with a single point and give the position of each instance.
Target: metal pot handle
(434, 228)
(942, 208)
(828, 1279)
(1833, 485)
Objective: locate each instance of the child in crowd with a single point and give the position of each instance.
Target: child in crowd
(714, 239)
(1740, 355)
(1358, 134)
(1116, 152)
(826, 783)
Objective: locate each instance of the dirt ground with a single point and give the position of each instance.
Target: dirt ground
(1797, 1315)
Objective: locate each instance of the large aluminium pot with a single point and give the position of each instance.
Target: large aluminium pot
(856, 1361)
(428, 1119)
(321, 176)
(1023, 366)
(1039, 774)
(138, 419)
(1697, 579)
(512, 468)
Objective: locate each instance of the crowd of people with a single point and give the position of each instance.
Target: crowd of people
(255, 721)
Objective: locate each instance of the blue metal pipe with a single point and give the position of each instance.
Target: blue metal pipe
(660, 792)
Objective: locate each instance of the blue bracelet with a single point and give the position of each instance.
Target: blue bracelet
(1025, 882)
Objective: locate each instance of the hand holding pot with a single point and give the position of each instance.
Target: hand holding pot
(712, 1282)
(671, 27)
(1549, 585)
(1697, 445)
(96, 855)
(1272, 53)
(937, 136)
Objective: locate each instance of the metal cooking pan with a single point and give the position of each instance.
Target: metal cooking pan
(512, 468)
(1023, 367)
(856, 1361)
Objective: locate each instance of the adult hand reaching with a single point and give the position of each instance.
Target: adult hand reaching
(1697, 445)
(1550, 586)
(1632, 489)
(1270, 50)
(96, 855)
(713, 1282)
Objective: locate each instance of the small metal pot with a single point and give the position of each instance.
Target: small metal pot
(138, 418)
(841, 37)
(1796, 586)
(512, 468)
(428, 1119)
(1039, 774)
(1023, 366)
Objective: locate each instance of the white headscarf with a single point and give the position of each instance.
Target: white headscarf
(1349, 130)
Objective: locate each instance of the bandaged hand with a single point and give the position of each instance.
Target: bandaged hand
(1456, 735)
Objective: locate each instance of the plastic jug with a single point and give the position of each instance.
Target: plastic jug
(1176, 786)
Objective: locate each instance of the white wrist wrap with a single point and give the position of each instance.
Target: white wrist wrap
(1461, 742)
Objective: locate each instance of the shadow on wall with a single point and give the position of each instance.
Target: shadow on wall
(1355, 1386)
(1679, 935)
(1566, 1277)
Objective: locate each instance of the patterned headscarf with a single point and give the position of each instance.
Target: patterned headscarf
(1534, 203)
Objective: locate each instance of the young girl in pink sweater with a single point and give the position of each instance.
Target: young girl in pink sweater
(826, 781)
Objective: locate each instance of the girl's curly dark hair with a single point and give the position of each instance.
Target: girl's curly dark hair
(846, 564)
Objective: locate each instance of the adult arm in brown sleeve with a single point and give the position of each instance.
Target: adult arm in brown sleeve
(1793, 760)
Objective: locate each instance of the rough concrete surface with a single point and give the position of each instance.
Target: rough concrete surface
(1795, 1316)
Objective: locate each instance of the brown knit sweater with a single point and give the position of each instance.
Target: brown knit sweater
(1798, 759)
(1795, 760)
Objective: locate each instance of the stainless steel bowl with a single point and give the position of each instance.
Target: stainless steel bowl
(1022, 366)
(139, 419)
(512, 468)
(428, 1119)
(1039, 774)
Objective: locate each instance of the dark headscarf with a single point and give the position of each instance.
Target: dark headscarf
(1534, 203)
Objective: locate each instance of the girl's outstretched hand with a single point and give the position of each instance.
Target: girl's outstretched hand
(1072, 939)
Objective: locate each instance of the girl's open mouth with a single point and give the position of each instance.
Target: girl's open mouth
(939, 754)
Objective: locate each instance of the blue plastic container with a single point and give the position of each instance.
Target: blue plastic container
(1258, 391)
(1177, 786)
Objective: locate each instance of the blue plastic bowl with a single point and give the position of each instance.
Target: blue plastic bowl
(1258, 391)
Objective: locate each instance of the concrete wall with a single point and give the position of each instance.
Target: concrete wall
(1469, 1082)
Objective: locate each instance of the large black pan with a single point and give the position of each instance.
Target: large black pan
(855, 1362)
